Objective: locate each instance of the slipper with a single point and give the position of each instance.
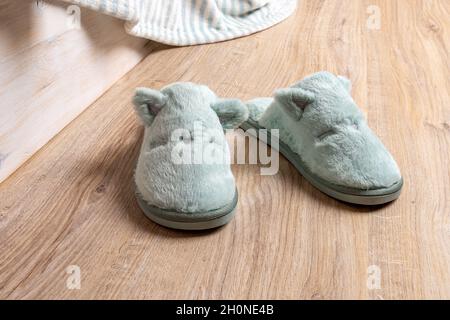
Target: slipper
(183, 176)
(325, 136)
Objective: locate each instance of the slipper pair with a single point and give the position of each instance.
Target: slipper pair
(183, 176)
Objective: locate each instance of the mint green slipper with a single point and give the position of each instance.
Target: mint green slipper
(183, 177)
(325, 136)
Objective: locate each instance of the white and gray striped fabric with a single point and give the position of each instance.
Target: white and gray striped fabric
(189, 22)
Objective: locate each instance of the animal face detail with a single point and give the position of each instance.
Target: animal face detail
(184, 98)
(184, 160)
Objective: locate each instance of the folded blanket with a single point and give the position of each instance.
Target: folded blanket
(189, 22)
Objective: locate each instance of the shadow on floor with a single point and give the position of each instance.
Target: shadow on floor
(293, 179)
(115, 167)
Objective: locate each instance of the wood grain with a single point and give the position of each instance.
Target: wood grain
(73, 202)
(49, 73)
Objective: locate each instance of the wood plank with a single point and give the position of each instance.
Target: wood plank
(73, 203)
(49, 74)
(24, 24)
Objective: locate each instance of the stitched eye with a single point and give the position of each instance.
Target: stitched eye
(326, 134)
(157, 142)
(186, 139)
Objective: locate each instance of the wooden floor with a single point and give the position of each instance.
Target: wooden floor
(73, 202)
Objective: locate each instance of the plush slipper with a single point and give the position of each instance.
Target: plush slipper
(183, 176)
(325, 136)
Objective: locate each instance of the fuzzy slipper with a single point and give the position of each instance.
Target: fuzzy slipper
(183, 176)
(325, 136)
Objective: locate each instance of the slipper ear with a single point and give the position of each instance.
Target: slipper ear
(346, 83)
(147, 103)
(294, 100)
(231, 112)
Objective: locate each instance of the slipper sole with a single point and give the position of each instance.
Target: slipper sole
(188, 221)
(350, 195)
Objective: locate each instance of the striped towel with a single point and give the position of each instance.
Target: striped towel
(189, 22)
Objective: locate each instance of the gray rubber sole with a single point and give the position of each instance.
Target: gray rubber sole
(350, 195)
(189, 221)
